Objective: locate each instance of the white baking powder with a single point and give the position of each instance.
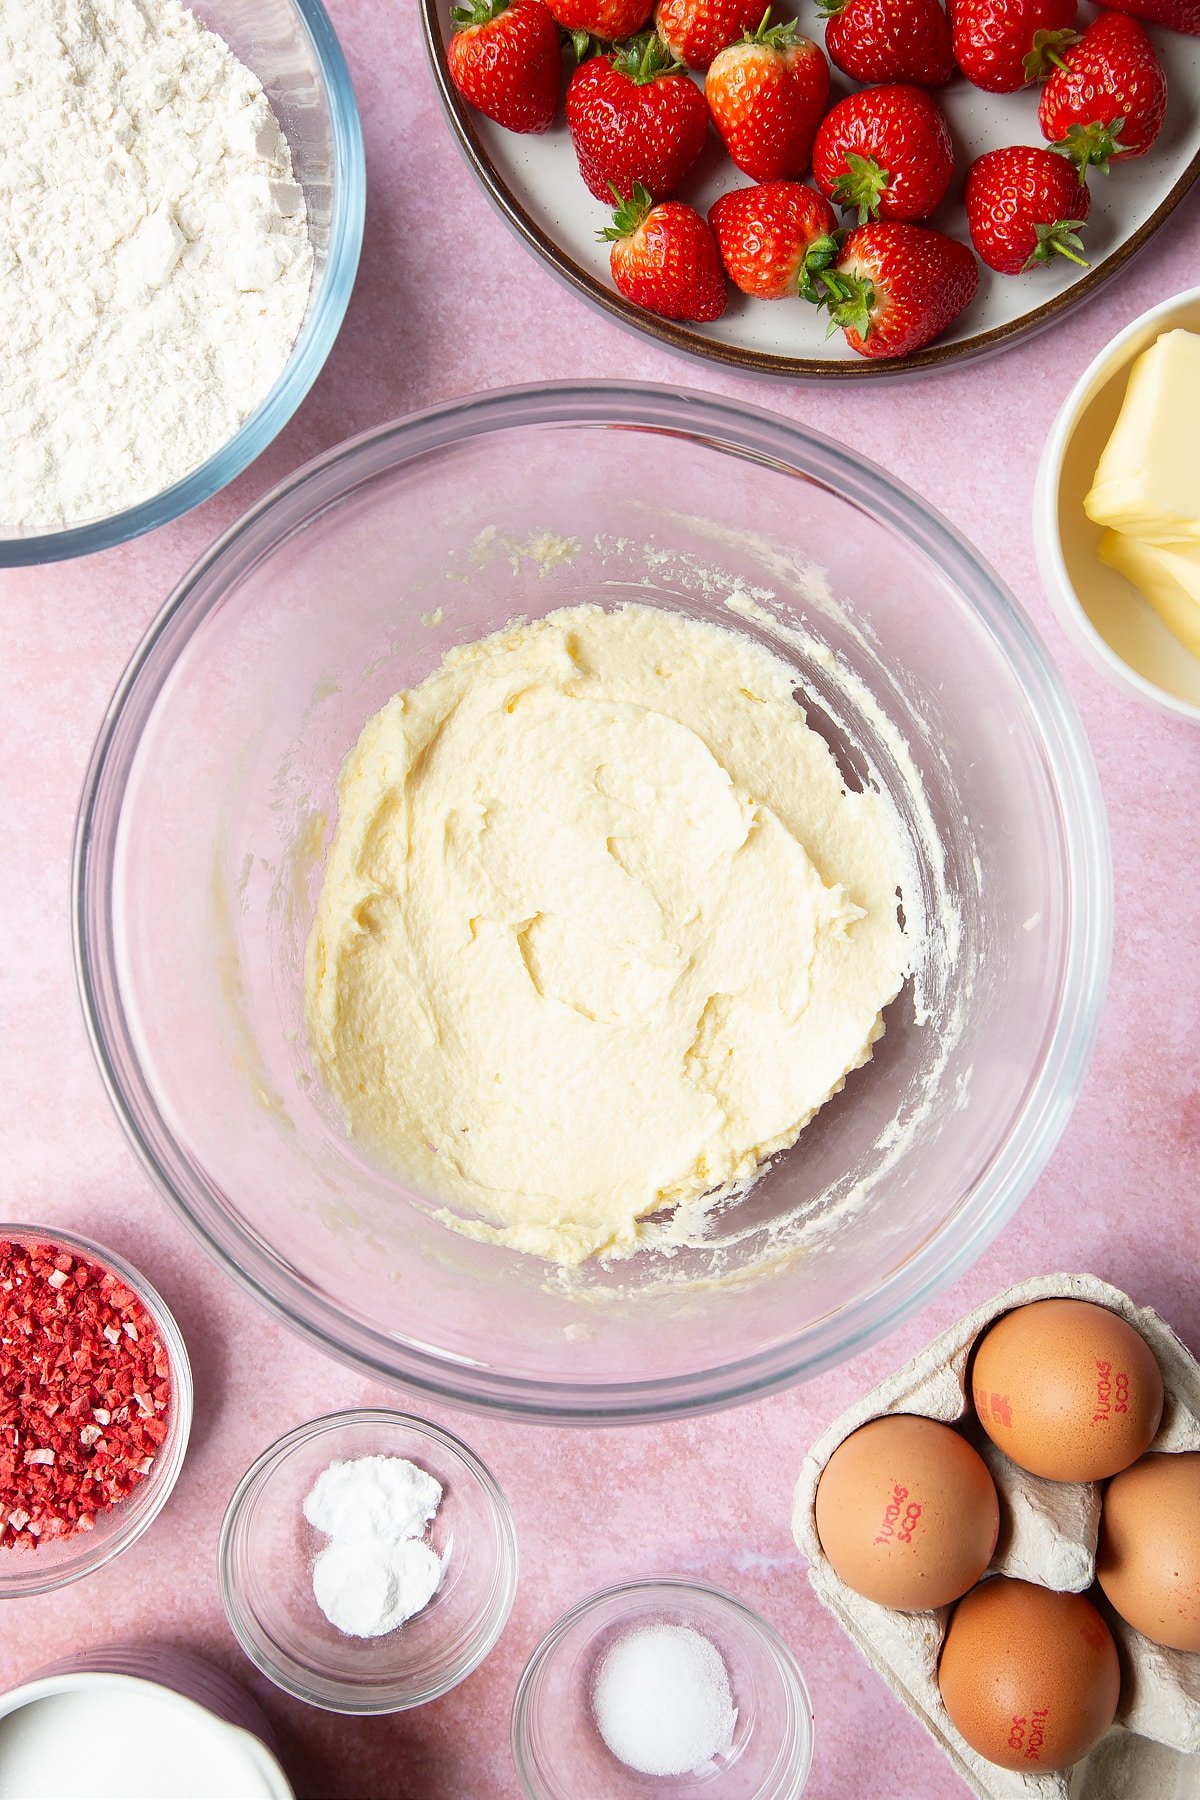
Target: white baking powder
(367, 1590)
(155, 262)
(662, 1700)
(377, 1570)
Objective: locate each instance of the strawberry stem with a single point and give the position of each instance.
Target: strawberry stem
(644, 59)
(1059, 239)
(861, 186)
(776, 37)
(1092, 146)
(477, 12)
(849, 299)
(821, 253)
(628, 215)
(1047, 53)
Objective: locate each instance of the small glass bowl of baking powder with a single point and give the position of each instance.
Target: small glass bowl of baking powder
(574, 1691)
(268, 1550)
(56, 1561)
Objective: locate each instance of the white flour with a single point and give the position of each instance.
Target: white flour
(155, 262)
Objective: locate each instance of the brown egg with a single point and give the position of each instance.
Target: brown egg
(1149, 1558)
(1029, 1676)
(1067, 1389)
(907, 1513)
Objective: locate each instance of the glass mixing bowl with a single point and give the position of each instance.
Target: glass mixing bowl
(292, 48)
(211, 794)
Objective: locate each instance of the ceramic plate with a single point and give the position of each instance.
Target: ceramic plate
(535, 183)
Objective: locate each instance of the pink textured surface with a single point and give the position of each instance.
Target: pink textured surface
(447, 302)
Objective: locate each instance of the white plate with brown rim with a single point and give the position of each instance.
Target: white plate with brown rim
(535, 185)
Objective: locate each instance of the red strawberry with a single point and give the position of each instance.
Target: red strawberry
(885, 152)
(889, 40)
(695, 30)
(993, 40)
(1024, 207)
(664, 258)
(774, 238)
(895, 287)
(635, 116)
(505, 58)
(1176, 15)
(766, 96)
(1105, 99)
(608, 19)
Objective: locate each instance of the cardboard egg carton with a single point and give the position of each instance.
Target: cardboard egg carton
(1048, 1533)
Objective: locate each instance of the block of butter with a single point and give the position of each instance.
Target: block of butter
(1169, 577)
(1147, 483)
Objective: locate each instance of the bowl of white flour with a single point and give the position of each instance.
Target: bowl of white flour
(183, 216)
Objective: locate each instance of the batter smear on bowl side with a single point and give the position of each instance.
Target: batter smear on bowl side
(601, 929)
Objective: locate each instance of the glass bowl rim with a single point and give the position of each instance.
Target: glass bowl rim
(158, 1486)
(757, 434)
(328, 1693)
(298, 373)
(782, 1655)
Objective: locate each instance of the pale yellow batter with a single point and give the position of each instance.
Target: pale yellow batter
(600, 928)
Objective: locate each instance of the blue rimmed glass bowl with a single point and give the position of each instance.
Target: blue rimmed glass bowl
(293, 49)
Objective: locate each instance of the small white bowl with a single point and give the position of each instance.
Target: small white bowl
(194, 1731)
(1100, 610)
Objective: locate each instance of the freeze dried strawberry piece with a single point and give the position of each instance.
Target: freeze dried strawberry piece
(85, 1392)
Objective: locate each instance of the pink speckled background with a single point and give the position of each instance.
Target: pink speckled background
(448, 302)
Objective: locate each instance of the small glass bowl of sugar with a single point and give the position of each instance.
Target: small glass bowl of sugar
(368, 1562)
(662, 1687)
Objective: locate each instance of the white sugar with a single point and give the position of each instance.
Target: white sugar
(662, 1701)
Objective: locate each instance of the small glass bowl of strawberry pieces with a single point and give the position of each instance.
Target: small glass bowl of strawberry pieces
(95, 1407)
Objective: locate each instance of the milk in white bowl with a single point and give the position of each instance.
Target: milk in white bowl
(91, 1735)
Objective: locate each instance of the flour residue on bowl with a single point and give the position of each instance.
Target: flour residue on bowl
(933, 916)
(602, 928)
(858, 702)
